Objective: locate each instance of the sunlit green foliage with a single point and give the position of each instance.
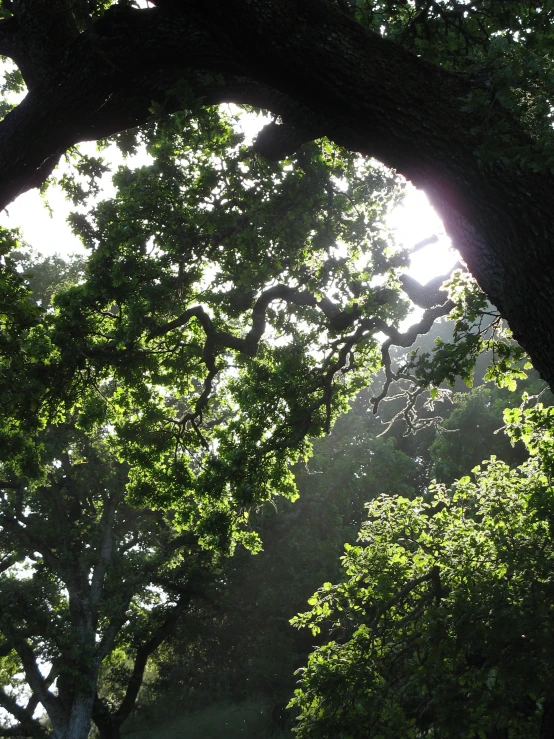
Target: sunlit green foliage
(441, 626)
(215, 325)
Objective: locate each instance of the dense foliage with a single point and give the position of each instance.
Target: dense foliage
(237, 660)
(229, 308)
(156, 397)
(441, 625)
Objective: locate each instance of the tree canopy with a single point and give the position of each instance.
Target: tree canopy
(228, 310)
(235, 299)
(456, 96)
(441, 623)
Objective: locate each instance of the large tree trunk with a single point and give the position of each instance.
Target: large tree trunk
(325, 75)
(78, 726)
(75, 721)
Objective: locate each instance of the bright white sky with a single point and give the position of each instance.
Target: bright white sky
(415, 221)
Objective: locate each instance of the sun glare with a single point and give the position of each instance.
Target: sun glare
(415, 221)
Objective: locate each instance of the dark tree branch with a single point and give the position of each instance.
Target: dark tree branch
(404, 591)
(428, 295)
(405, 340)
(37, 683)
(27, 726)
(342, 362)
(8, 561)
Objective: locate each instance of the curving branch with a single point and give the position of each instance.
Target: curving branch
(363, 91)
(343, 364)
(338, 320)
(405, 340)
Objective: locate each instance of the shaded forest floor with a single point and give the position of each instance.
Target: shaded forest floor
(251, 719)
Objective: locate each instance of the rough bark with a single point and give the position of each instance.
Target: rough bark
(324, 74)
(77, 724)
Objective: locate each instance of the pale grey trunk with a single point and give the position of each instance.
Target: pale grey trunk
(77, 721)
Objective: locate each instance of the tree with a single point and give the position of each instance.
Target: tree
(153, 349)
(441, 625)
(90, 587)
(161, 348)
(455, 96)
(90, 584)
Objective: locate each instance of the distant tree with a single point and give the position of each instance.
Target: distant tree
(473, 431)
(90, 587)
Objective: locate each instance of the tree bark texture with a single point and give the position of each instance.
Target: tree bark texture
(324, 75)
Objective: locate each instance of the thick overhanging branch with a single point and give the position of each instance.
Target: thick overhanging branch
(39, 31)
(87, 92)
(363, 91)
(96, 76)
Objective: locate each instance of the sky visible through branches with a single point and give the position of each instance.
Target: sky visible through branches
(44, 226)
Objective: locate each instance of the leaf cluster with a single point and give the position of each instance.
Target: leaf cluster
(441, 621)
